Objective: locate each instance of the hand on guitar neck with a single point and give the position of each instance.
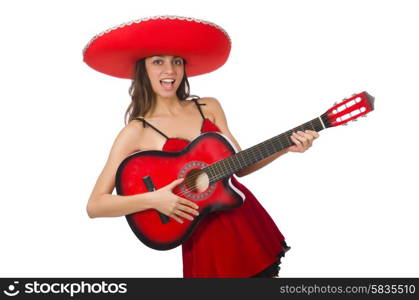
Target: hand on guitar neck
(302, 140)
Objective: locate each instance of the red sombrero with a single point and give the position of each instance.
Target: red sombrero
(204, 45)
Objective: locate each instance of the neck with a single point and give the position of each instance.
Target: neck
(167, 106)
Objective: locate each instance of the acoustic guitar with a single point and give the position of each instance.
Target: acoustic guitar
(207, 165)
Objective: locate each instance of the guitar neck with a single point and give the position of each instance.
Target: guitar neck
(228, 166)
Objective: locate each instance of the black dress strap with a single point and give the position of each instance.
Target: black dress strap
(195, 99)
(147, 123)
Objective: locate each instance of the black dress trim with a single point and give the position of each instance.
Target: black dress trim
(198, 105)
(273, 270)
(147, 123)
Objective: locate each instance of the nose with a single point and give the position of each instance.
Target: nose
(168, 68)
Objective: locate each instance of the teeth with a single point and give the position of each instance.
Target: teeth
(168, 80)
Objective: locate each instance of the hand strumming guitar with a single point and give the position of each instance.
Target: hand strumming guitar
(170, 204)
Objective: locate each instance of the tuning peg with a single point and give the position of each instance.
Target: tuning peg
(345, 124)
(364, 116)
(354, 120)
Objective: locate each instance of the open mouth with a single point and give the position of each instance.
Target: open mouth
(167, 83)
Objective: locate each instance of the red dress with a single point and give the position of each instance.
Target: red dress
(241, 242)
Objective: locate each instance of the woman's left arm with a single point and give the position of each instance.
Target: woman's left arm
(302, 140)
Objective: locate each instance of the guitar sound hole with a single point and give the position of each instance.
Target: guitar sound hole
(196, 181)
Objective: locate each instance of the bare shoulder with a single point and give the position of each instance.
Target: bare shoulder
(133, 127)
(212, 107)
(125, 143)
(219, 118)
(128, 137)
(211, 102)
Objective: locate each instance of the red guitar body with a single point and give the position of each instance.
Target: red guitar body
(161, 168)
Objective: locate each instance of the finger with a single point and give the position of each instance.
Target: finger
(188, 209)
(295, 140)
(173, 184)
(315, 134)
(189, 203)
(298, 146)
(309, 137)
(182, 214)
(302, 138)
(307, 134)
(177, 181)
(297, 143)
(177, 219)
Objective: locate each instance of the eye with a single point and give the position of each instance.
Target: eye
(178, 62)
(157, 62)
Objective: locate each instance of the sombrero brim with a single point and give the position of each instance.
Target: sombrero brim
(204, 45)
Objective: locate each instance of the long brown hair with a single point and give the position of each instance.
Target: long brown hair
(143, 98)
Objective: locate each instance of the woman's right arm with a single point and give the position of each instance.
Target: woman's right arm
(102, 203)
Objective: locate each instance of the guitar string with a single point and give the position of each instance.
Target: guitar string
(258, 150)
(253, 151)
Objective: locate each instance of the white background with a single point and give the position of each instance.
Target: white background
(347, 207)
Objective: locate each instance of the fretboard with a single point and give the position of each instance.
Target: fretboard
(240, 160)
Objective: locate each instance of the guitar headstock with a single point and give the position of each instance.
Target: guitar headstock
(349, 109)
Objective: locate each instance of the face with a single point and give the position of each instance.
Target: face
(165, 73)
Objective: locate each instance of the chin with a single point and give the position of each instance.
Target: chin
(167, 95)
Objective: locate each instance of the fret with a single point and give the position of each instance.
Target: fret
(236, 166)
(217, 169)
(266, 151)
(259, 151)
(240, 156)
(238, 161)
(311, 125)
(233, 163)
(209, 171)
(223, 165)
(281, 143)
(227, 163)
(299, 128)
(271, 143)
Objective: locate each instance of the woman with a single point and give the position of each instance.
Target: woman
(242, 242)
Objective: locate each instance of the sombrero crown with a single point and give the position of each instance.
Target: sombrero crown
(204, 45)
